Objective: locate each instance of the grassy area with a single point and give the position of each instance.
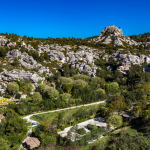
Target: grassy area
(42, 117)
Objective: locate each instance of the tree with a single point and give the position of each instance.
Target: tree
(99, 93)
(4, 144)
(135, 75)
(145, 86)
(113, 87)
(67, 88)
(82, 77)
(64, 80)
(37, 97)
(65, 97)
(117, 105)
(47, 91)
(80, 82)
(97, 82)
(115, 120)
(16, 62)
(28, 87)
(13, 88)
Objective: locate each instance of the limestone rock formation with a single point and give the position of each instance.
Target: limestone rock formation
(126, 60)
(112, 30)
(113, 34)
(20, 74)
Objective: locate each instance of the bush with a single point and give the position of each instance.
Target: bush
(37, 96)
(90, 127)
(115, 121)
(47, 91)
(7, 96)
(12, 88)
(64, 80)
(82, 77)
(16, 62)
(99, 93)
(80, 82)
(81, 131)
(18, 95)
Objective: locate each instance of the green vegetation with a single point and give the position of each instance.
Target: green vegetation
(66, 88)
(13, 130)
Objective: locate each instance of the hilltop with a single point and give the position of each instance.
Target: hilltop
(38, 59)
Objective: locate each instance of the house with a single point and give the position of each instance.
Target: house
(1, 117)
(32, 143)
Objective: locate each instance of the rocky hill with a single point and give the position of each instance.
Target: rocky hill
(113, 34)
(39, 59)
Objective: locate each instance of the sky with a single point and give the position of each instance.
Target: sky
(73, 18)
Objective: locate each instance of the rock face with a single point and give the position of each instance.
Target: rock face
(82, 67)
(13, 53)
(56, 55)
(114, 35)
(3, 41)
(112, 30)
(16, 75)
(126, 60)
(25, 59)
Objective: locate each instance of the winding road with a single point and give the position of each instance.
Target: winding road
(29, 116)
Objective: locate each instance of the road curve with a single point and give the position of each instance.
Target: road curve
(29, 120)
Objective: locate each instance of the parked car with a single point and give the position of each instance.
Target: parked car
(35, 123)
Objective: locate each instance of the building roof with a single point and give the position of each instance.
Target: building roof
(14, 100)
(2, 116)
(32, 142)
(4, 104)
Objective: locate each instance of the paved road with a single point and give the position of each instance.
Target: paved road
(29, 120)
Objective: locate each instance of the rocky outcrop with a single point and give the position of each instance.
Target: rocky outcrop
(16, 75)
(28, 61)
(112, 30)
(82, 67)
(56, 55)
(113, 34)
(3, 41)
(24, 59)
(126, 60)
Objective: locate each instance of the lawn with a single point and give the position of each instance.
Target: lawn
(42, 117)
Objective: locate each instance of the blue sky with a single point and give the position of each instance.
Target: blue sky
(73, 18)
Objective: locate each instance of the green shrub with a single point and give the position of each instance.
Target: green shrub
(81, 131)
(18, 95)
(82, 77)
(80, 82)
(64, 80)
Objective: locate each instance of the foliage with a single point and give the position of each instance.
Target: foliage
(37, 96)
(13, 88)
(64, 80)
(80, 82)
(115, 121)
(81, 131)
(4, 144)
(47, 91)
(82, 77)
(15, 62)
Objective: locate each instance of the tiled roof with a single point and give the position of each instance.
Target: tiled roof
(32, 142)
(1, 116)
